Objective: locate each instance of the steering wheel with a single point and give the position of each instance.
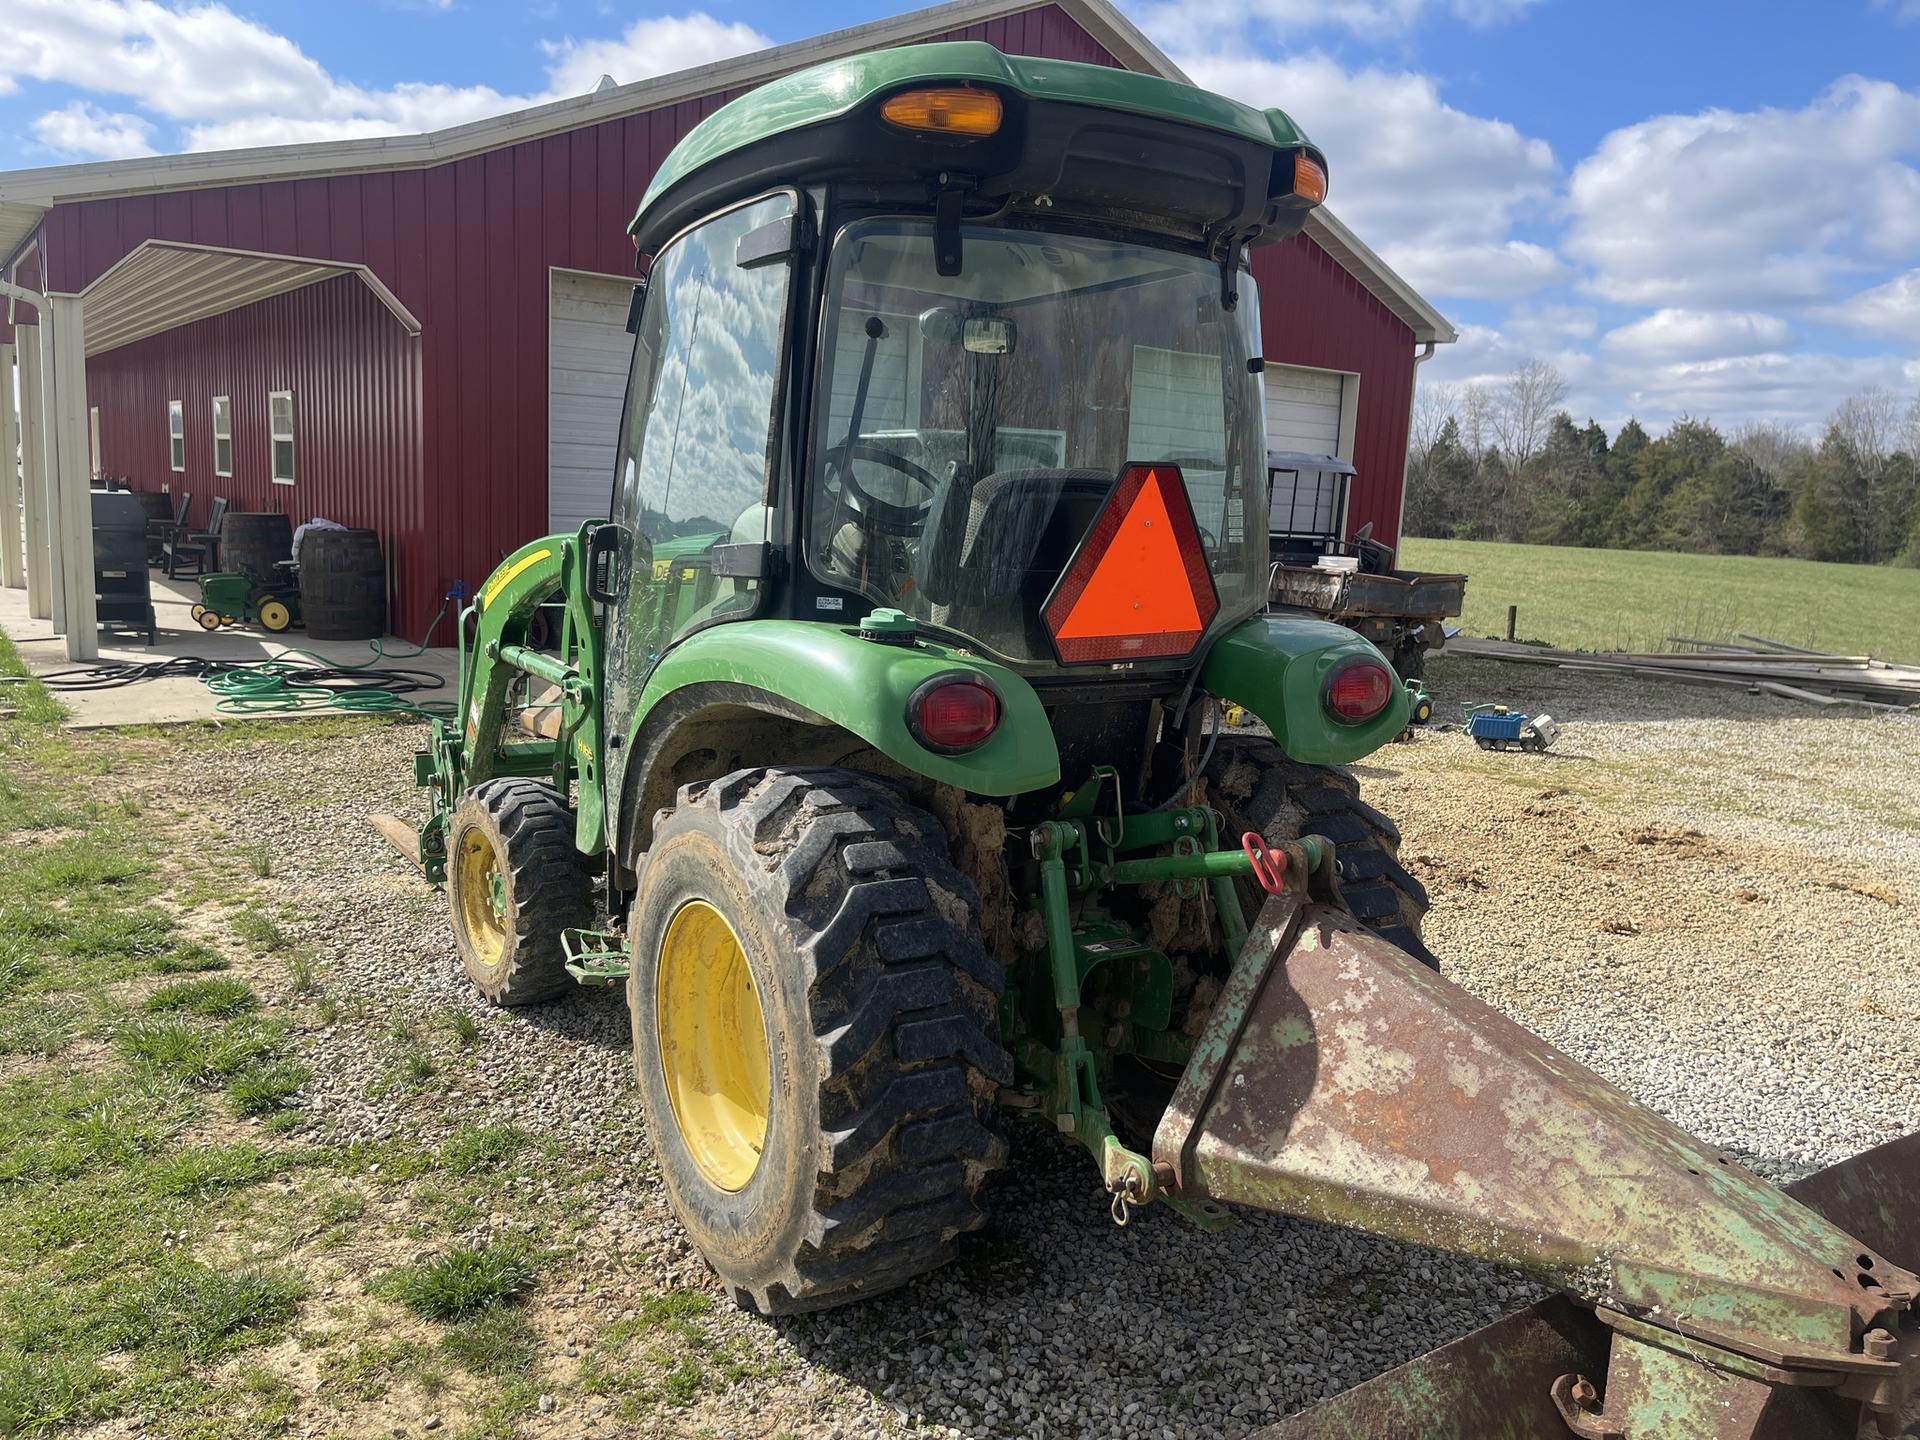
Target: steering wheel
(884, 515)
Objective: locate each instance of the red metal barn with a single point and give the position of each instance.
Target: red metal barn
(425, 334)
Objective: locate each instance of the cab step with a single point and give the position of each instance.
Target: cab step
(595, 957)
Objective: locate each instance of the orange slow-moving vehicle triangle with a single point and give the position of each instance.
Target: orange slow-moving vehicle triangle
(1139, 588)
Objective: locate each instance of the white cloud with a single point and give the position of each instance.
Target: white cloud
(1796, 388)
(86, 132)
(1673, 334)
(656, 46)
(229, 81)
(1549, 325)
(1799, 389)
(1892, 308)
(1435, 190)
(1902, 10)
(1742, 208)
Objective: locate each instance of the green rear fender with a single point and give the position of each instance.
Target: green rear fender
(863, 687)
(1277, 667)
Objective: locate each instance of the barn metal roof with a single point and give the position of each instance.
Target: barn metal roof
(26, 195)
(162, 284)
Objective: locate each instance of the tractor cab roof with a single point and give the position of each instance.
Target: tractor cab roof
(1087, 141)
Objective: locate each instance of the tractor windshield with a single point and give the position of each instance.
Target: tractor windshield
(970, 426)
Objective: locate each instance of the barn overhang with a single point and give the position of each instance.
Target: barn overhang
(158, 286)
(163, 284)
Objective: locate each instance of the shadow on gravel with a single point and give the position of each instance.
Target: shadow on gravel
(595, 1016)
(1056, 1322)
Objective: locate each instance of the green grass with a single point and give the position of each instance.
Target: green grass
(267, 1088)
(1635, 599)
(459, 1285)
(258, 930)
(499, 1342)
(197, 1055)
(222, 996)
(30, 701)
(474, 1149)
(146, 1252)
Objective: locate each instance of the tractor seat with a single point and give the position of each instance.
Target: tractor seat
(1021, 529)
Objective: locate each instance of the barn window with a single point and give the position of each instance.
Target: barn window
(280, 423)
(222, 435)
(176, 435)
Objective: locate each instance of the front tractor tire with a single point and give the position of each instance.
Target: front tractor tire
(814, 1035)
(1256, 786)
(514, 882)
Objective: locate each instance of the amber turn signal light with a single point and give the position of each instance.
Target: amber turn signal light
(954, 111)
(1309, 179)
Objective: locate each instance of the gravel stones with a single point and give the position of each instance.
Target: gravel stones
(1708, 899)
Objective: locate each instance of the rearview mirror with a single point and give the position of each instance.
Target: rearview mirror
(988, 337)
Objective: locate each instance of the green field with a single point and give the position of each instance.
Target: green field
(1635, 599)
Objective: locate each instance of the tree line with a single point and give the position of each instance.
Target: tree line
(1504, 461)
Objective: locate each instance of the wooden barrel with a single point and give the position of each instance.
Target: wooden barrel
(254, 542)
(343, 585)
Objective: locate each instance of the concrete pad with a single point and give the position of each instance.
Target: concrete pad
(180, 698)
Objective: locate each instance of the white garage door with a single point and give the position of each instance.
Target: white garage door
(587, 352)
(1303, 410)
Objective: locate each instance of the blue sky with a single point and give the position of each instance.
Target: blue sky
(1688, 208)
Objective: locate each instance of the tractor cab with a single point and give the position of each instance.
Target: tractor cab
(897, 351)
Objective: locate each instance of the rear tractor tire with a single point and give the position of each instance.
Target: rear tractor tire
(514, 882)
(1256, 786)
(814, 1035)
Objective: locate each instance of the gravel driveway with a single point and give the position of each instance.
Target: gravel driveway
(1710, 899)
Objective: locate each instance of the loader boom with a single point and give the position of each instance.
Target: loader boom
(544, 578)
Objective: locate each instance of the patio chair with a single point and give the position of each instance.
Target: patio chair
(159, 532)
(198, 548)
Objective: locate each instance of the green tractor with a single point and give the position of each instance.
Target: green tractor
(883, 763)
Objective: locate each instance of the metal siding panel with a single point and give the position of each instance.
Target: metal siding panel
(408, 272)
(555, 174)
(280, 227)
(492, 367)
(344, 196)
(439, 361)
(528, 272)
(209, 211)
(244, 222)
(584, 158)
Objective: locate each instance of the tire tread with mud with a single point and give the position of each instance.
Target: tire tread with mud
(547, 885)
(1257, 786)
(879, 1004)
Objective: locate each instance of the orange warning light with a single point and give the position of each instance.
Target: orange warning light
(1139, 587)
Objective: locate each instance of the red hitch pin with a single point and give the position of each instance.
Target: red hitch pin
(1269, 865)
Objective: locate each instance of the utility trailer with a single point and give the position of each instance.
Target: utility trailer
(1312, 568)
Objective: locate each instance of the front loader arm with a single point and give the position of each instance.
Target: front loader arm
(1340, 1080)
(476, 745)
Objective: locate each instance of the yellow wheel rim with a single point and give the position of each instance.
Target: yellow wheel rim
(713, 1045)
(483, 897)
(274, 615)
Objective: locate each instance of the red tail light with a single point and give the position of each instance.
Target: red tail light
(953, 713)
(1358, 690)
